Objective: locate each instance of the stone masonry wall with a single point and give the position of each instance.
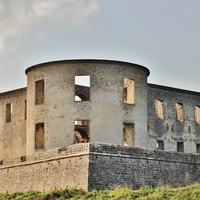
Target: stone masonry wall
(90, 166)
(48, 170)
(169, 129)
(112, 165)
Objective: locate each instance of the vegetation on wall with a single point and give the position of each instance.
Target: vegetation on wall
(191, 192)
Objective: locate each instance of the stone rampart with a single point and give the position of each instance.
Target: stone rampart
(48, 170)
(112, 165)
(98, 166)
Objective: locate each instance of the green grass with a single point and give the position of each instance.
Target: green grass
(190, 192)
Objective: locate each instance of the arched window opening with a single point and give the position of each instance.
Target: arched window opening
(81, 97)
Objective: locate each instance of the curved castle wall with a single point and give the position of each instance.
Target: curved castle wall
(107, 112)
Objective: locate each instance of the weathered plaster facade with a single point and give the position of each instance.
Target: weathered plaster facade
(13, 124)
(41, 125)
(105, 109)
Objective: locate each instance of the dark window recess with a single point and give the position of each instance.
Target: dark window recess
(39, 92)
(39, 136)
(9, 109)
(25, 109)
(198, 147)
(160, 144)
(23, 158)
(180, 147)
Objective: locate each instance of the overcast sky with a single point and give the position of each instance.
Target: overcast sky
(162, 35)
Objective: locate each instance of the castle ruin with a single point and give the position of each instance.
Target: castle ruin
(112, 128)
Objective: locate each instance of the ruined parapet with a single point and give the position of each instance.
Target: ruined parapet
(111, 107)
(44, 156)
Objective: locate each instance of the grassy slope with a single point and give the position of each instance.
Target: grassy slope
(191, 192)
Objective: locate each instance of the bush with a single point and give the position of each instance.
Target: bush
(191, 192)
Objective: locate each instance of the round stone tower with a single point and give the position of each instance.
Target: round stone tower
(76, 101)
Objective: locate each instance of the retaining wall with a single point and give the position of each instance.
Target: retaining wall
(49, 170)
(112, 165)
(98, 166)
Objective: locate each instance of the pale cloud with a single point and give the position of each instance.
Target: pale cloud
(18, 17)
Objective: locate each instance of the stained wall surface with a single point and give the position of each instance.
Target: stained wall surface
(105, 111)
(179, 122)
(13, 123)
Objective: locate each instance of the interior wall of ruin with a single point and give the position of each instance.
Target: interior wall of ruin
(175, 120)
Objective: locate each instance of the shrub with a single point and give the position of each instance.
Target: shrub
(191, 192)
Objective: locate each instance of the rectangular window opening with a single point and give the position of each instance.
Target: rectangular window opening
(129, 90)
(9, 111)
(39, 136)
(25, 110)
(81, 131)
(128, 134)
(159, 109)
(197, 114)
(198, 147)
(82, 88)
(160, 144)
(180, 147)
(179, 112)
(39, 92)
